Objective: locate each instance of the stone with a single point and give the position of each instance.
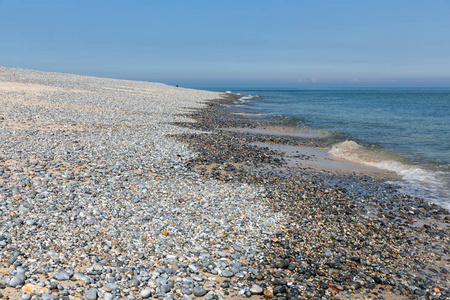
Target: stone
(16, 281)
(145, 293)
(30, 222)
(269, 294)
(279, 281)
(279, 290)
(199, 291)
(355, 285)
(31, 288)
(26, 297)
(91, 294)
(282, 264)
(108, 296)
(165, 288)
(47, 297)
(135, 282)
(256, 290)
(227, 274)
(61, 276)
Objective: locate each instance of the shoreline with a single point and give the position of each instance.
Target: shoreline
(373, 206)
(117, 189)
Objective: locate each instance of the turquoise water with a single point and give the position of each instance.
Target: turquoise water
(402, 130)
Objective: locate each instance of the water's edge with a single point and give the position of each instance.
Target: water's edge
(415, 180)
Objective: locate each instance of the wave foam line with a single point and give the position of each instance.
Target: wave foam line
(414, 175)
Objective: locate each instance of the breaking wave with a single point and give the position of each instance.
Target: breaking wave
(418, 181)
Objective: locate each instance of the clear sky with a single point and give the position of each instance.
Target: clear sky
(233, 42)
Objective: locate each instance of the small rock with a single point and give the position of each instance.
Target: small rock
(355, 285)
(199, 291)
(145, 293)
(269, 294)
(108, 296)
(165, 288)
(29, 288)
(91, 294)
(227, 274)
(279, 290)
(61, 276)
(279, 281)
(282, 264)
(256, 290)
(16, 281)
(30, 222)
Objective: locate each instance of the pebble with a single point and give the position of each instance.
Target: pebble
(62, 276)
(16, 281)
(256, 290)
(227, 274)
(109, 296)
(145, 293)
(199, 291)
(91, 294)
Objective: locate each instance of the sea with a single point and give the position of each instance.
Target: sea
(404, 130)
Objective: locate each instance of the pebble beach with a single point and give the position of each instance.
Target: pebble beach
(116, 189)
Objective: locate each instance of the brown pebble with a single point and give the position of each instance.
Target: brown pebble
(269, 294)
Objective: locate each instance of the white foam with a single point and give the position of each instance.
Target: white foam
(416, 178)
(246, 98)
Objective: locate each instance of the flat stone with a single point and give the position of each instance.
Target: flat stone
(199, 291)
(279, 281)
(227, 274)
(61, 276)
(197, 278)
(256, 290)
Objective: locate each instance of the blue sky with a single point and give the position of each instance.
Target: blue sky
(235, 42)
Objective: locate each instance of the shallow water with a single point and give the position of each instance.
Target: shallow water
(402, 130)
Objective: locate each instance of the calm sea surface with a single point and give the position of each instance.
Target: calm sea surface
(402, 130)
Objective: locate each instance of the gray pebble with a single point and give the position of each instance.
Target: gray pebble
(146, 293)
(256, 290)
(91, 294)
(199, 291)
(62, 276)
(227, 274)
(16, 281)
(26, 297)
